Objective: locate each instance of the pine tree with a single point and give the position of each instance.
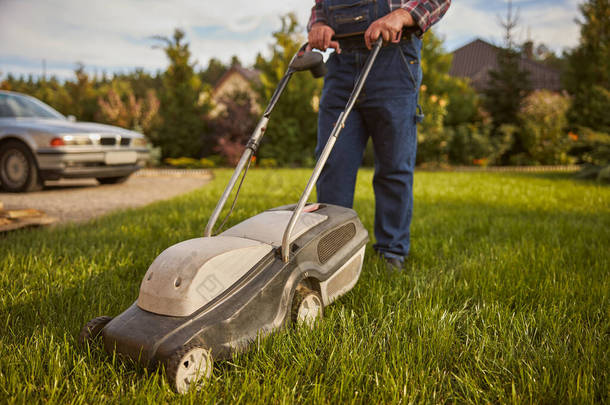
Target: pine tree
(182, 125)
(508, 84)
(587, 75)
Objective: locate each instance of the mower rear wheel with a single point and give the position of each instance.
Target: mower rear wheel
(190, 366)
(307, 306)
(93, 329)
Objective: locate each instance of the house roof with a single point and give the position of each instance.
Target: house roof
(251, 75)
(476, 59)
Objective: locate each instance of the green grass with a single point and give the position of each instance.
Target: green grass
(505, 300)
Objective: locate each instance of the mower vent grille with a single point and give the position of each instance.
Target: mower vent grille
(335, 240)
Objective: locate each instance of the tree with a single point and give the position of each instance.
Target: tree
(181, 129)
(508, 84)
(83, 95)
(291, 135)
(543, 123)
(587, 75)
(133, 113)
(214, 72)
(462, 100)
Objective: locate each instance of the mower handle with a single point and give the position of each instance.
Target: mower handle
(339, 125)
(295, 65)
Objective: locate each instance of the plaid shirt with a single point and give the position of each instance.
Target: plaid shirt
(425, 13)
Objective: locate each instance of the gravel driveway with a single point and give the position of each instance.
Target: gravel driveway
(80, 200)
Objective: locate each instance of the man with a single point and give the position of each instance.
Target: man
(386, 110)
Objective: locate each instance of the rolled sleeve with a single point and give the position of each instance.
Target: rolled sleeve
(426, 13)
(317, 15)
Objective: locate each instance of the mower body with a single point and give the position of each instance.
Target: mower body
(222, 292)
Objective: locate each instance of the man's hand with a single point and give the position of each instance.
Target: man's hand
(320, 37)
(388, 26)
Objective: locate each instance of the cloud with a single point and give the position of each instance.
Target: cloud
(548, 21)
(116, 34)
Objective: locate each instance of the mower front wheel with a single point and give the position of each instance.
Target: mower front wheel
(189, 367)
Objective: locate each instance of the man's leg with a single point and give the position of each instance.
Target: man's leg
(338, 178)
(392, 127)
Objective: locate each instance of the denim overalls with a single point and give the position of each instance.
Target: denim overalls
(386, 111)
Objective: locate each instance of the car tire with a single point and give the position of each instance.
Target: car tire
(189, 367)
(18, 170)
(113, 180)
(93, 329)
(307, 306)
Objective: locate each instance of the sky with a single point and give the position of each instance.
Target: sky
(116, 35)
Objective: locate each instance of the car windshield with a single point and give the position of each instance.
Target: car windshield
(17, 106)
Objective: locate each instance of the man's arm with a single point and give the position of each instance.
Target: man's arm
(425, 13)
(411, 13)
(320, 33)
(317, 15)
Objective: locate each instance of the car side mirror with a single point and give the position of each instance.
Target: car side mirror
(71, 118)
(309, 60)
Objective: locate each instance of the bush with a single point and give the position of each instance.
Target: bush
(206, 163)
(604, 175)
(543, 120)
(267, 163)
(592, 149)
(231, 128)
(432, 139)
(190, 163)
(590, 146)
(470, 144)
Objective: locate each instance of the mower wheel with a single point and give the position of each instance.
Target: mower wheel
(190, 366)
(92, 329)
(307, 306)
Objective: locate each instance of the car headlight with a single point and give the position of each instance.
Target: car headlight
(71, 140)
(139, 142)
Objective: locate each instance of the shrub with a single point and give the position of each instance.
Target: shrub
(470, 144)
(230, 149)
(593, 150)
(590, 146)
(231, 128)
(432, 139)
(186, 162)
(267, 163)
(206, 163)
(543, 120)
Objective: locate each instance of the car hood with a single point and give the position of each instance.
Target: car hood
(58, 126)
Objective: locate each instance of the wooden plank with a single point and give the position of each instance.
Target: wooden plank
(24, 213)
(14, 224)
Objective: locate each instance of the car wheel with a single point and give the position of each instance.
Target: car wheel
(189, 367)
(307, 306)
(93, 329)
(18, 171)
(113, 180)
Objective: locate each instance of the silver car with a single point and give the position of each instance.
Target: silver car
(37, 143)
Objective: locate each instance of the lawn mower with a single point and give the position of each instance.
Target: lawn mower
(206, 298)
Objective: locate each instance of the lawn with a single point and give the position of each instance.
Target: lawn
(505, 299)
